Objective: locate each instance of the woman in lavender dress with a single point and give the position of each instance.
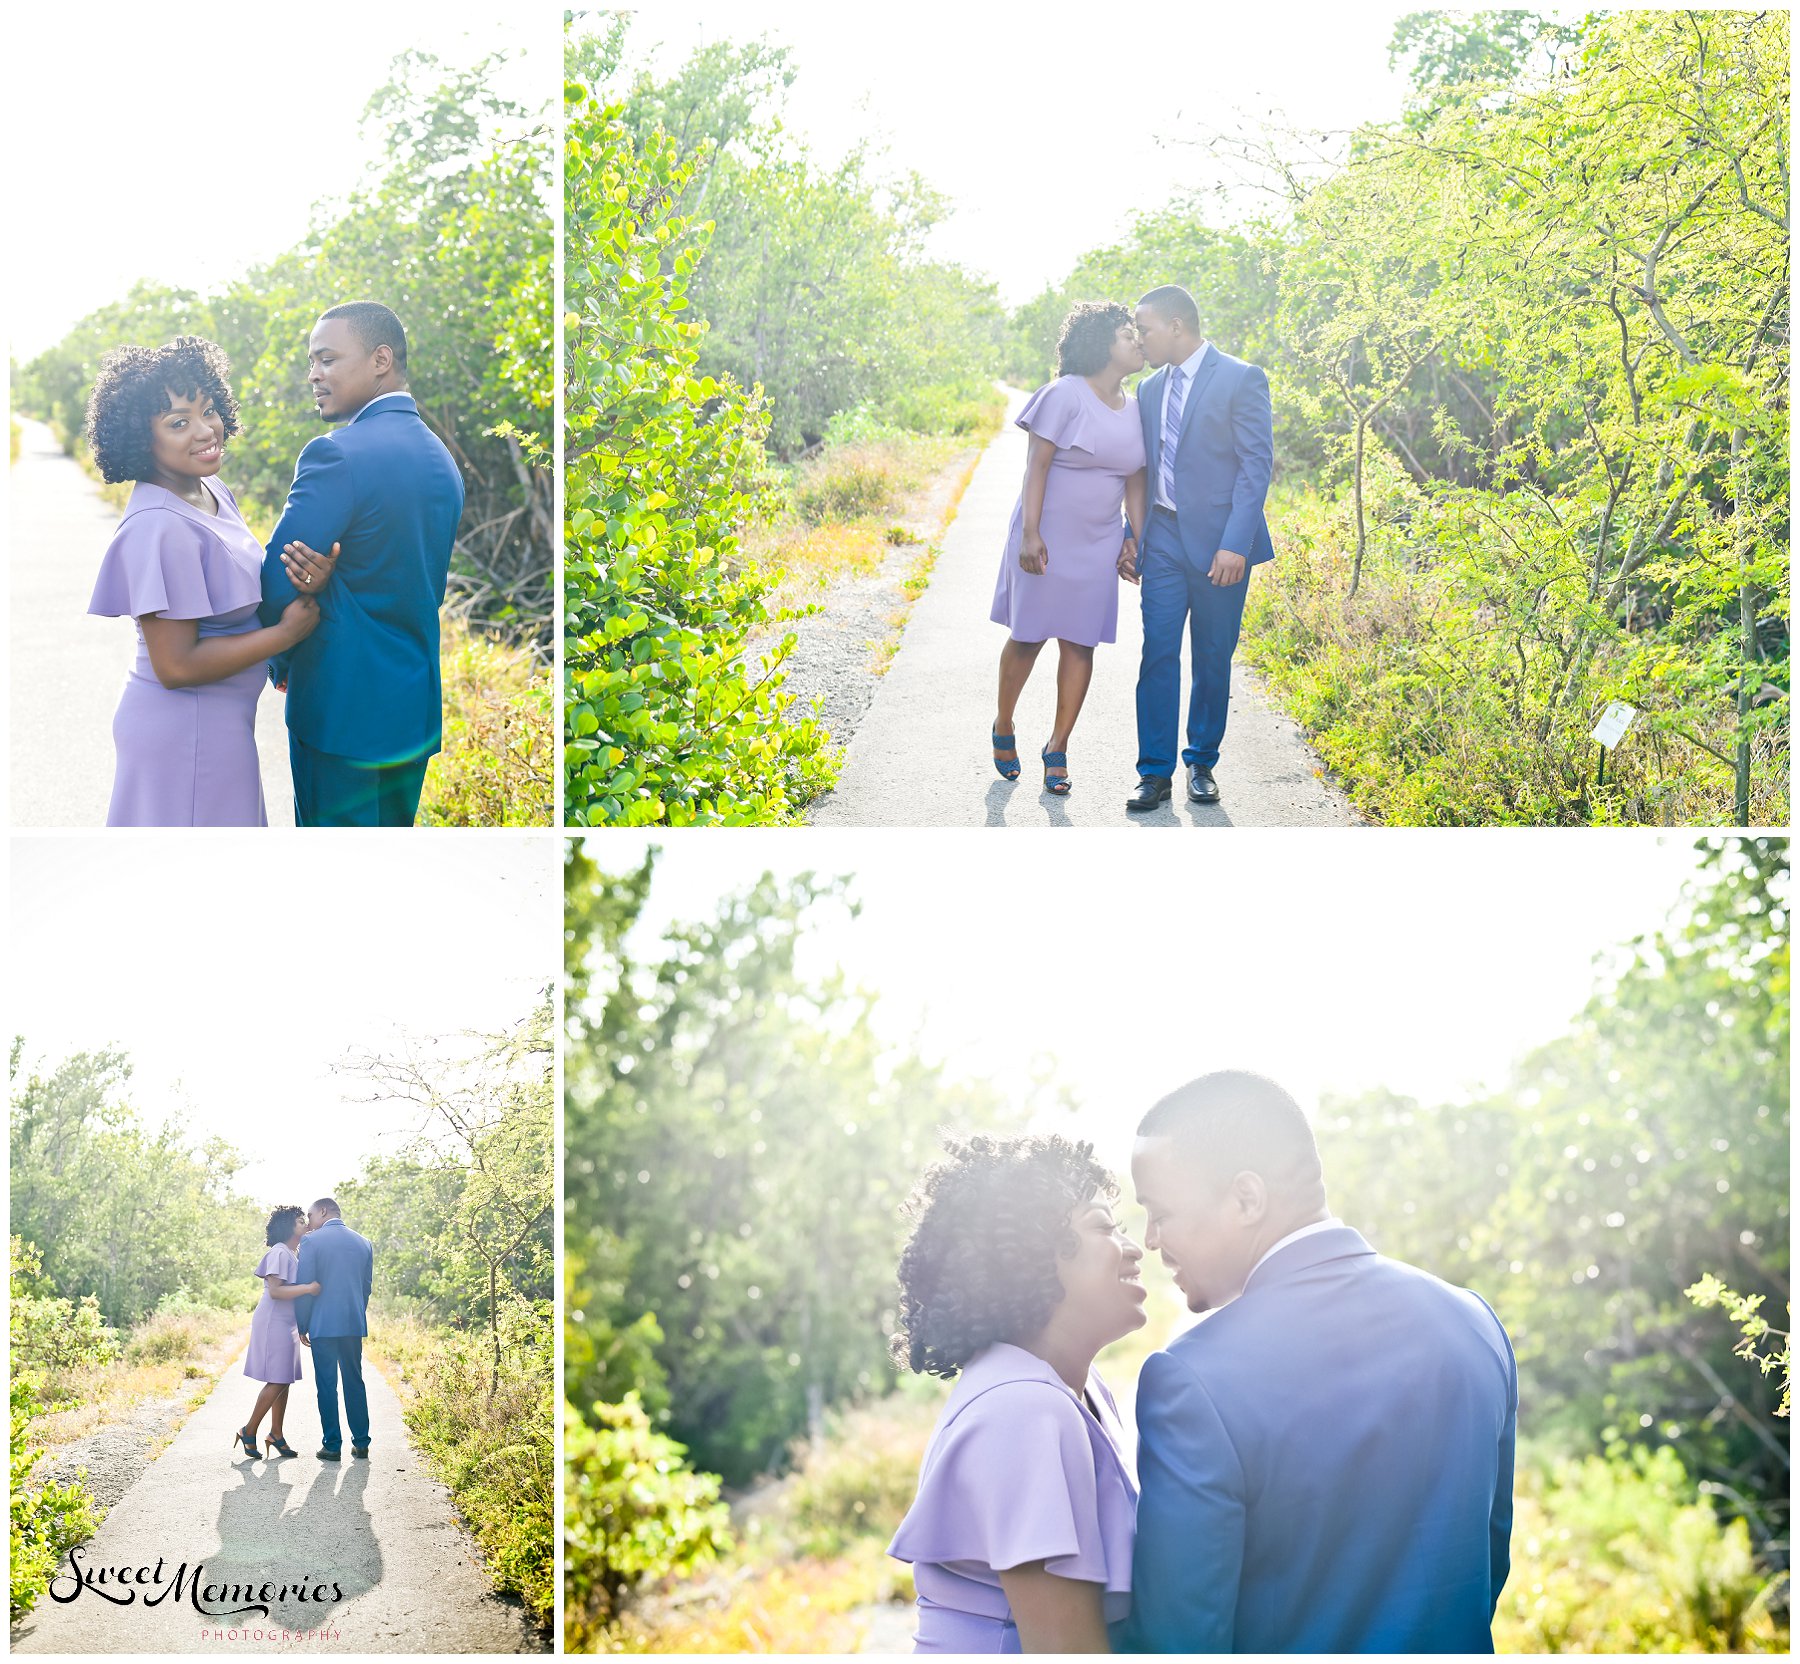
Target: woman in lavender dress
(274, 1353)
(188, 569)
(1016, 1275)
(1065, 553)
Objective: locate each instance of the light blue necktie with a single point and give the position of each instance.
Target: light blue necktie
(1171, 434)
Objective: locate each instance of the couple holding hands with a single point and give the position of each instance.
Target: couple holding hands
(1165, 490)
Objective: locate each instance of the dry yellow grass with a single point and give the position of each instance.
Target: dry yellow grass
(207, 1340)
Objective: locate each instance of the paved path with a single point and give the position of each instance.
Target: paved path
(68, 668)
(380, 1530)
(920, 756)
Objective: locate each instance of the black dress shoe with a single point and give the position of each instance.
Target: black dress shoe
(1152, 789)
(359, 1450)
(327, 1454)
(1202, 788)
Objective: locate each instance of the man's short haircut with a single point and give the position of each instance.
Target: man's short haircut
(1175, 303)
(327, 1206)
(1233, 1121)
(374, 325)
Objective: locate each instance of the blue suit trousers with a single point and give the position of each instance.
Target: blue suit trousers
(1178, 595)
(341, 791)
(335, 1356)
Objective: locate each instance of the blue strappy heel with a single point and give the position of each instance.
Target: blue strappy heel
(1057, 785)
(1008, 769)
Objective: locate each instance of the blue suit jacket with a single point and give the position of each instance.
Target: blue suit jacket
(1326, 1464)
(1223, 457)
(343, 1264)
(366, 683)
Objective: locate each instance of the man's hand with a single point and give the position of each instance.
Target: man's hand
(306, 1341)
(1128, 561)
(1033, 556)
(1228, 568)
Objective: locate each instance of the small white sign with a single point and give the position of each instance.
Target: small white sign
(1610, 729)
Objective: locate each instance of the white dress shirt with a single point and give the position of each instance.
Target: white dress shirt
(1189, 368)
(400, 393)
(1317, 1225)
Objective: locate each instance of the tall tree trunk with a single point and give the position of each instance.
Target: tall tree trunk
(1747, 678)
(1356, 490)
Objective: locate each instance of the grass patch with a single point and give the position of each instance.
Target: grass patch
(159, 1358)
(494, 1446)
(1415, 698)
(498, 764)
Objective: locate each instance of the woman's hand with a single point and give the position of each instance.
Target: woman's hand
(1128, 561)
(1033, 556)
(299, 618)
(311, 1288)
(308, 570)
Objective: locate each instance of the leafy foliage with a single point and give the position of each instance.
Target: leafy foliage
(87, 1174)
(664, 722)
(1627, 1158)
(45, 1521)
(737, 1154)
(635, 1512)
(1621, 1556)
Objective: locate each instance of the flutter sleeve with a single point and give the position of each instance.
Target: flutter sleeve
(160, 562)
(273, 1265)
(1059, 412)
(1013, 1481)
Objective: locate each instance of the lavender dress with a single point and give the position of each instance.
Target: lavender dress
(185, 756)
(1097, 450)
(274, 1353)
(1018, 1469)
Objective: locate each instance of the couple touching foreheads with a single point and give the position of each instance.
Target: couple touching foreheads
(1165, 490)
(1324, 1463)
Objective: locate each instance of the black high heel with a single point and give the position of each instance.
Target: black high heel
(281, 1447)
(243, 1436)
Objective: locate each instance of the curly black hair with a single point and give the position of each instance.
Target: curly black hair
(1086, 341)
(281, 1225)
(135, 385)
(989, 1224)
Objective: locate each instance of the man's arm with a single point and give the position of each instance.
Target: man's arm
(308, 1273)
(1253, 435)
(1501, 1512)
(369, 1277)
(317, 513)
(1190, 1524)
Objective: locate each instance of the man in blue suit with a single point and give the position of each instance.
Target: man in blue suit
(334, 1321)
(364, 693)
(1326, 1460)
(1209, 444)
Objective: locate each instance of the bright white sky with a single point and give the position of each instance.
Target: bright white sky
(1424, 961)
(118, 174)
(236, 970)
(1049, 125)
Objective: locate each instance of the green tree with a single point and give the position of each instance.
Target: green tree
(740, 1132)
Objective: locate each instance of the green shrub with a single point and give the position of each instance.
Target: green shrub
(493, 1445)
(1623, 1556)
(497, 767)
(846, 482)
(45, 1523)
(665, 723)
(859, 1479)
(50, 1336)
(635, 1511)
